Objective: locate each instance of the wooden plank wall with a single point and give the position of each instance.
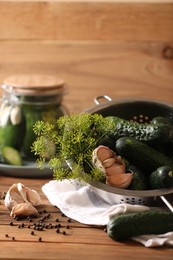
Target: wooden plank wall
(119, 48)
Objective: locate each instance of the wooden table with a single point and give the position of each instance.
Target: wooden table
(73, 241)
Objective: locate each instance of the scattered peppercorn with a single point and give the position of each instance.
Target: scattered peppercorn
(57, 230)
(40, 239)
(58, 225)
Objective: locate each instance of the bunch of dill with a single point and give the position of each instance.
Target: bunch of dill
(74, 138)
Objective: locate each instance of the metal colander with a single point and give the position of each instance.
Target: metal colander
(140, 111)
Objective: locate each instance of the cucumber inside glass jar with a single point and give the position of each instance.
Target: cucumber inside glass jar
(26, 100)
(34, 111)
(11, 125)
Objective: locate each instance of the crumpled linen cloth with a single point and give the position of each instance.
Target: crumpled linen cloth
(83, 205)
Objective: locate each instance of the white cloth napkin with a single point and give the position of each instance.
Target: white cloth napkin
(83, 205)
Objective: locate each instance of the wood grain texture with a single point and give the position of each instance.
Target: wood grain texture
(120, 70)
(86, 21)
(120, 48)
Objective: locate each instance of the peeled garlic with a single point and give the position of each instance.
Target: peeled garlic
(23, 209)
(16, 115)
(19, 193)
(4, 115)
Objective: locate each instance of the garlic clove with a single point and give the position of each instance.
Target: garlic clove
(109, 162)
(103, 152)
(12, 197)
(120, 180)
(5, 115)
(23, 209)
(22, 191)
(33, 197)
(115, 169)
(16, 115)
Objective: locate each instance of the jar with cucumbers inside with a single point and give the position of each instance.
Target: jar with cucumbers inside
(27, 99)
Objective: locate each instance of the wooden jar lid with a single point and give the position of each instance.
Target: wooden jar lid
(35, 84)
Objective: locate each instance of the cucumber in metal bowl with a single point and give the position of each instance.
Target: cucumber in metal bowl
(141, 111)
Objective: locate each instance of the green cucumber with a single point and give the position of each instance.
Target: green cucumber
(33, 114)
(141, 154)
(152, 133)
(129, 225)
(11, 135)
(106, 141)
(162, 177)
(11, 156)
(31, 117)
(139, 181)
(162, 120)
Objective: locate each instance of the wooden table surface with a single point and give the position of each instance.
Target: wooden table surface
(79, 241)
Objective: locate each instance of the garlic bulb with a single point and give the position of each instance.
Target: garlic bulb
(112, 166)
(20, 194)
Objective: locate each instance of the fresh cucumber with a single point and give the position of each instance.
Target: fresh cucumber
(162, 120)
(128, 225)
(11, 135)
(11, 156)
(139, 181)
(162, 177)
(142, 155)
(152, 133)
(31, 115)
(107, 141)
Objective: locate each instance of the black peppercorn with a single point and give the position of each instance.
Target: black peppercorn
(57, 230)
(40, 239)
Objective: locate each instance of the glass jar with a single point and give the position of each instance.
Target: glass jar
(27, 99)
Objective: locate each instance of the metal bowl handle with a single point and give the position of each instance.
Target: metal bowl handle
(103, 97)
(168, 204)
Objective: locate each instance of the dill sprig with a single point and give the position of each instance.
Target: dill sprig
(74, 137)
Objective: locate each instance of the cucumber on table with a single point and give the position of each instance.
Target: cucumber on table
(142, 155)
(11, 156)
(128, 225)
